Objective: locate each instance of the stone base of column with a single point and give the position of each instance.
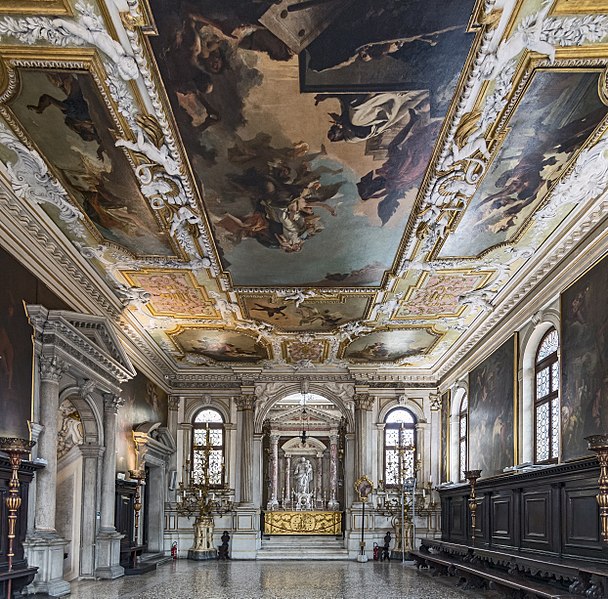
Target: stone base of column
(44, 550)
(245, 540)
(202, 555)
(108, 555)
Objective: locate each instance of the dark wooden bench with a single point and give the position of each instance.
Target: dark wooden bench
(19, 579)
(475, 575)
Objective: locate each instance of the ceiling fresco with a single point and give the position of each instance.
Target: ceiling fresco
(64, 115)
(305, 184)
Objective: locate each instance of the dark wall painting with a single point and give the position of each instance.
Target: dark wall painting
(144, 402)
(314, 189)
(584, 361)
(16, 349)
(558, 113)
(65, 116)
(444, 474)
(492, 411)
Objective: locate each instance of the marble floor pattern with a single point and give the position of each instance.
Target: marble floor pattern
(276, 580)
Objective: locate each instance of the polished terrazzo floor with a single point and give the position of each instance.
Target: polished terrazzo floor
(275, 580)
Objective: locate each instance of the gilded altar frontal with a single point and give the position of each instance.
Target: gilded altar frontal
(304, 280)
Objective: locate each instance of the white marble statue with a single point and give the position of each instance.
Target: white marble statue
(303, 476)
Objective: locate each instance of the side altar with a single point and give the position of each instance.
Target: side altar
(302, 523)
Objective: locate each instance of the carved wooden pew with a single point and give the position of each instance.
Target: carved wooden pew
(514, 576)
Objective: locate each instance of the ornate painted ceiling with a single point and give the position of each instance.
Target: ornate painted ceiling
(324, 183)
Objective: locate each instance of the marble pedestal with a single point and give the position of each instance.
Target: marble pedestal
(202, 555)
(44, 550)
(108, 555)
(245, 540)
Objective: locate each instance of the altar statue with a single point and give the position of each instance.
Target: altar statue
(303, 475)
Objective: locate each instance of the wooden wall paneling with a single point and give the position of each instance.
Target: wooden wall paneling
(580, 518)
(536, 518)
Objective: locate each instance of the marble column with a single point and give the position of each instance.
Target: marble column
(435, 456)
(363, 405)
(91, 457)
(274, 471)
(46, 483)
(108, 539)
(246, 538)
(288, 479)
(172, 421)
(333, 504)
(44, 546)
(245, 405)
(319, 481)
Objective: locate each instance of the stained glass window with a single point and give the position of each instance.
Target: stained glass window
(399, 446)
(208, 441)
(463, 423)
(546, 400)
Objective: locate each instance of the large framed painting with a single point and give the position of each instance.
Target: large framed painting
(493, 410)
(444, 473)
(584, 359)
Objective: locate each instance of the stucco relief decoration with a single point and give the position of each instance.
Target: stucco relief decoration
(438, 294)
(70, 428)
(174, 294)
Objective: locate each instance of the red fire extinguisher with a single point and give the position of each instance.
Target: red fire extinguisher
(174, 550)
(376, 552)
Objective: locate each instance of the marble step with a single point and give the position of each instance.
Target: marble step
(302, 548)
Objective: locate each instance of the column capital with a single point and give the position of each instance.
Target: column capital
(86, 387)
(51, 369)
(435, 399)
(363, 401)
(274, 438)
(111, 402)
(174, 401)
(91, 451)
(245, 402)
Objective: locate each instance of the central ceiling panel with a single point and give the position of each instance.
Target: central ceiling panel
(309, 154)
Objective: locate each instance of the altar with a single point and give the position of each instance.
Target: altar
(302, 523)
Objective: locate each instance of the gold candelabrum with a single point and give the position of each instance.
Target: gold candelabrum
(599, 445)
(472, 476)
(401, 501)
(198, 496)
(16, 449)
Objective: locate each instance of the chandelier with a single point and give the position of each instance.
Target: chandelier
(304, 417)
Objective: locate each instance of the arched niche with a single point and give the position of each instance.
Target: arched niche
(291, 389)
(295, 447)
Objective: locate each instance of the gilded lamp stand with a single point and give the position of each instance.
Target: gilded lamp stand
(16, 450)
(472, 476)
(599, 444)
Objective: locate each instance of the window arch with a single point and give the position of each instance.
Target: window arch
(463, 431)
(546, 399)
(208, 445)
(399, 446)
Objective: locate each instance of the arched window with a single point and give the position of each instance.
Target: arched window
(399, 446)
(546, 400)
(208, 437)
(463, 428)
